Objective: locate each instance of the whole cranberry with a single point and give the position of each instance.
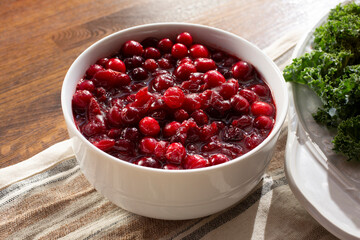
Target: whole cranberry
(152, 52)
(199, 51)
(162, 82)
(195, 161)
(102, 62)
(184, 70)
(204, 64)
(148, 162)
(165, 45)
(130, 115)
(133, 62)
(263, 122)
(200, 117)
(185, 38)
(86, 85)
(171, 128)
(242, 70)
(262, 108)
(81, 98)
(164, 63)
(131, 48)
(192, 102)
(150, 42)
(213, 78)
(94, 126)
(174, 97)
(160, 149)
(116, 65)
(175, 153)
(150, 65)
(219, 158)
(179, 50)
(149, 126)
(228, 89)
(252, 141)
(240, 104)
(90, 72)
(131, 133)
(111, 78)
(250, 95)
(147, 145)
(181, 115)
(261, 90)
(139, 74)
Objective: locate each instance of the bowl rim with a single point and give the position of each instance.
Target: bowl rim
(280, 116)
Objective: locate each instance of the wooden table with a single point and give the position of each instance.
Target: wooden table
(39, 39)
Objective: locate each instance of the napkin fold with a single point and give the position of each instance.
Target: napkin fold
(47, 197)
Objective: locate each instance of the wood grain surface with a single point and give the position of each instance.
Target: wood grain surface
(39, 39)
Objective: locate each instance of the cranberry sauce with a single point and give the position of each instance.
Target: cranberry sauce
(173, 104)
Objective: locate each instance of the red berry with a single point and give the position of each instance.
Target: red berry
(102, 62)
(131, 48)
(116, 65)
(114, 116)
(165, 45)
(164, 63)
(111, 78)
(204, 64)
(152, 52)
(175, 153)
(171, 128)
(251, 96)
(262, 108)
(242, 122)
(162, 82)
(90, 72)
(149, 126)
(228, 89)
(263, 122)
(252, 141)
(81, 98)
(147, 145)
(86, 85)
(139, 74)
(242, 70)
(219, 158)
(185, 38)
(174, 97)
(240, 104)
(179, 50)
(160, 149)
(213, 78)
(195, 161)
(192, 102)
(200, 117)
(199, 51)
(130, 115)
(261, 90)
(150, 65)
(184, 70)
(181, 115)
(105, 144)
(148, 162)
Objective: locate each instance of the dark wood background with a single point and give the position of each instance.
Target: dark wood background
(39, 39)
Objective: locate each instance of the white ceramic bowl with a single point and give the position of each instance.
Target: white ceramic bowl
(178, 194)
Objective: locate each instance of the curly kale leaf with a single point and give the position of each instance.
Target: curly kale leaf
(341, 32)
(347, 140)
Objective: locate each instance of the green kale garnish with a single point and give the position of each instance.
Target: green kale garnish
(332, 71)
(347, 140)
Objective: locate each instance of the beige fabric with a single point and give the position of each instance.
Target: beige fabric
(47, 197)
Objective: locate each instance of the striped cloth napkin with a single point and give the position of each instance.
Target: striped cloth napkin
(47, 197)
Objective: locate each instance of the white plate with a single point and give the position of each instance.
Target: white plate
(325, 183)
